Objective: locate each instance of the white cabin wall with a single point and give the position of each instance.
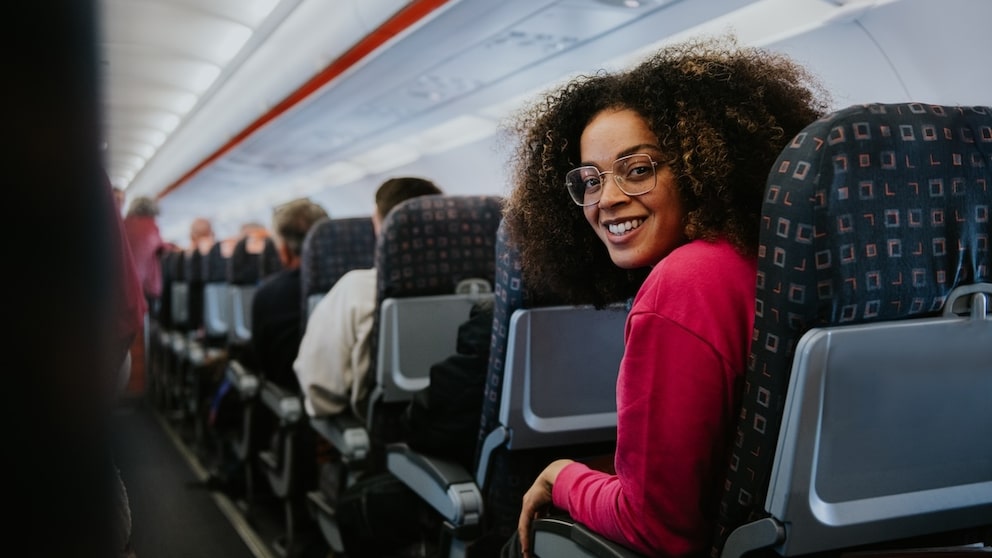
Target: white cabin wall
(472, 169)
(914, 50)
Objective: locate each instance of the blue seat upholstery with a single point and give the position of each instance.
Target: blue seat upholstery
(245, 271)
(216, 311)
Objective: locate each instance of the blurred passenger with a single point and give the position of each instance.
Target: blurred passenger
(146, 245)
(649, 182)
(334, 356)
(275, 327)
(201, 235)
(255, 233)
(128, 310)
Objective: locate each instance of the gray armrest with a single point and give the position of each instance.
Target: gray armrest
(346, 433)
(285, 404)
(243, 381)
(565, 538)
(445, 485)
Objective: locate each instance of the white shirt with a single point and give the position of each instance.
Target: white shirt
(334, 356)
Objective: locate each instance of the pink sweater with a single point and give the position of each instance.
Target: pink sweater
(687, 338)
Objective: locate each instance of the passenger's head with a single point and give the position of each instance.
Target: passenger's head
(290, 223)
(705, 119)
(201, 235)
(397, 190)
(254, 235)
(142, 206)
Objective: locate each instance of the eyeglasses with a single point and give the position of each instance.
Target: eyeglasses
(633, 174)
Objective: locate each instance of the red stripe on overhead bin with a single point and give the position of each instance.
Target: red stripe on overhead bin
(404, 19)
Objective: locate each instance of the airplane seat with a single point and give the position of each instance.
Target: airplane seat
(428, 246)
(545, 397)
(861, 418)
(160, 345)
(207, 352)
(195, 269)
(216, 311)
(189, 351)
(245, 269)
(175, 338)
(332, 248)
(433, 261)
(864, 417)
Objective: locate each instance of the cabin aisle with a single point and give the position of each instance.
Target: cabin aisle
(172, 513)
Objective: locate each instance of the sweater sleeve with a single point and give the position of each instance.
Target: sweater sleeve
(673, 403)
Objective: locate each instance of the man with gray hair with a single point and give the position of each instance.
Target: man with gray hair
(275, 328)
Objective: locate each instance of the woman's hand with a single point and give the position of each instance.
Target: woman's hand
(536, 501)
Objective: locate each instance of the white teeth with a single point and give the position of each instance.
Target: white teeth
(620, 228)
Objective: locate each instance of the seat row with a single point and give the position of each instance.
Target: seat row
(865, 408)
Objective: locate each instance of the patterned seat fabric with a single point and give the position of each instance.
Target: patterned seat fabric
(428, 245)
(509, 475)
(332, 248)
(873, 213)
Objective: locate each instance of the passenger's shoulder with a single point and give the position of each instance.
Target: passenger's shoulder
(354, 277)
(355, 281)
(701, 266)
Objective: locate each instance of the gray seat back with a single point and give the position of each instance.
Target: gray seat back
(414, 334)
(559, 382)
(874, 217)
(862, 401)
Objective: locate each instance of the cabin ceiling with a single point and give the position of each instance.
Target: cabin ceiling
(183, 78)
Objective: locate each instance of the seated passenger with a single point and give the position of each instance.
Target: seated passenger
(201, 236)
(334, 355)
(650, 181)
(275, 325)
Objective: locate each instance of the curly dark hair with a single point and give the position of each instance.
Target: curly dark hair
(721, 112)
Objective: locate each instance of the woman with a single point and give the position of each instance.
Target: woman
(649, 183)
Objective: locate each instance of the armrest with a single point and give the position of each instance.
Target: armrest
(285, 404)
(598, 545)
(565, 538)
(445, 485)
(346, 433)
(243, 381)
